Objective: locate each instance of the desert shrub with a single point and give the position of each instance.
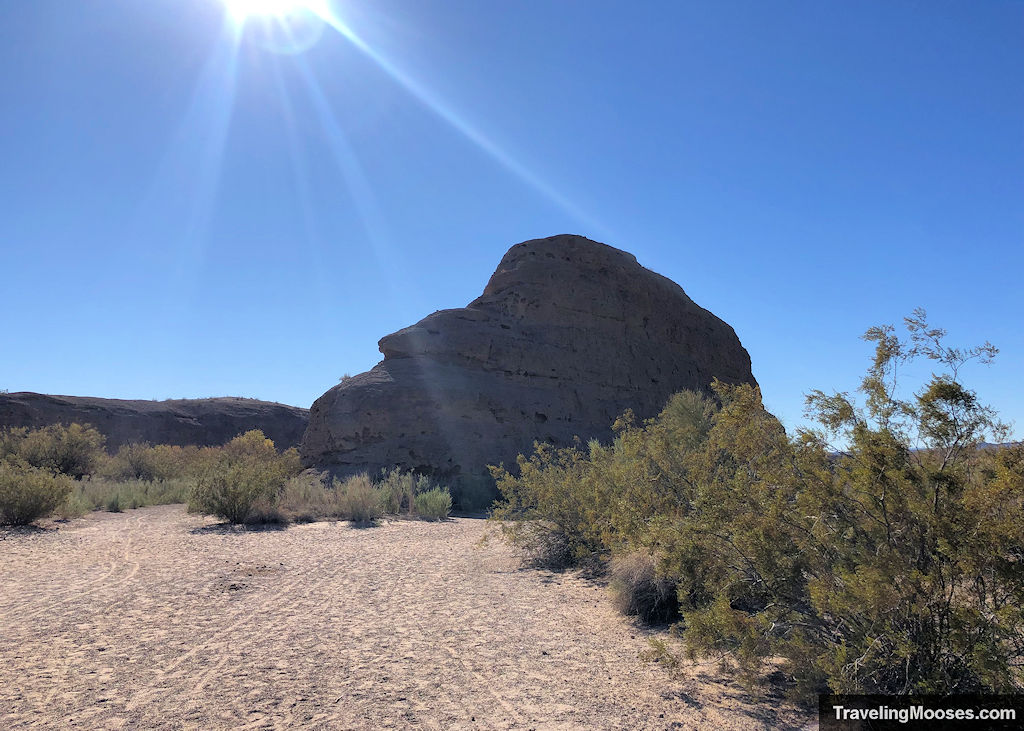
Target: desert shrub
(10, 440)
(574, 504)
(434, 504)
(74, 450)
(73, 507)
(878, 553)
(398, 491)
(358, 500)
(243, 481)
(233, 491)
(549, 509)
(131, 462)
(290, 461)
(28, 493)
(114, 504)
(638, 589)
(145, 462)
(305, 498)
(889, 566)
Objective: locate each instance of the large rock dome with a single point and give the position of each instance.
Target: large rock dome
(567, 335)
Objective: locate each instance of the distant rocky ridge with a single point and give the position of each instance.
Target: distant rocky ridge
(203, 422)
(567, 335)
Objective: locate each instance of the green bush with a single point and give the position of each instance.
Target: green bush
(550, 509)
(145, 462)
(242, 483)
(574, 504)
(434, 504)
(28, 493)
(74, 450)
(234, 490)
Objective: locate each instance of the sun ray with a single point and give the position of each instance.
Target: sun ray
(432, 102)
(190, 170)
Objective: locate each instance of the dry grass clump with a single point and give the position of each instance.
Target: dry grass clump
(434, 504)
(638, 589)
(543, 545)
(305, 499)
(359, 500)
(398, 491)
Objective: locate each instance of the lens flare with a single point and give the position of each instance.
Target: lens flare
(240, 10)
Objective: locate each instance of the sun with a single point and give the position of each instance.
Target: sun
(242, 9)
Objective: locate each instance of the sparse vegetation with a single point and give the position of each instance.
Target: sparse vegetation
(244, 481)
(305, 499)
(879, 553)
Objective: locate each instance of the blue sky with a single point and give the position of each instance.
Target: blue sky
(185, 211)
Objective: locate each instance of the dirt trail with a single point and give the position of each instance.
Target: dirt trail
(157, 619)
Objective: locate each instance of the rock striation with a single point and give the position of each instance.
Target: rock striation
(203, 422)
(567, 335)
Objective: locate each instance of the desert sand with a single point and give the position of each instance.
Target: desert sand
(154, 618)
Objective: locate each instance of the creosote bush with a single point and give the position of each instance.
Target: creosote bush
(243, 483)
(878, 553)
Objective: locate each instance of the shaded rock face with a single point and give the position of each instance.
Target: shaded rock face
(567, 335)
(203, 422)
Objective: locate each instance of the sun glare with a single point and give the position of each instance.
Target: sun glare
(242, 9)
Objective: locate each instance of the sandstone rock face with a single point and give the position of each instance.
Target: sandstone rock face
(203, 422)
(567, 335)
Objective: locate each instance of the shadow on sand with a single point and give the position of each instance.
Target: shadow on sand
(228, 528)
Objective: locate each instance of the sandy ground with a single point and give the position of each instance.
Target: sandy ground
(157, 619)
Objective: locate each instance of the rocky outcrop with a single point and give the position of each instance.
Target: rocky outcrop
(204, 422)
(567, 335)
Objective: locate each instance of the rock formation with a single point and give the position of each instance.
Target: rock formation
(204, 422)
(567, 335)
